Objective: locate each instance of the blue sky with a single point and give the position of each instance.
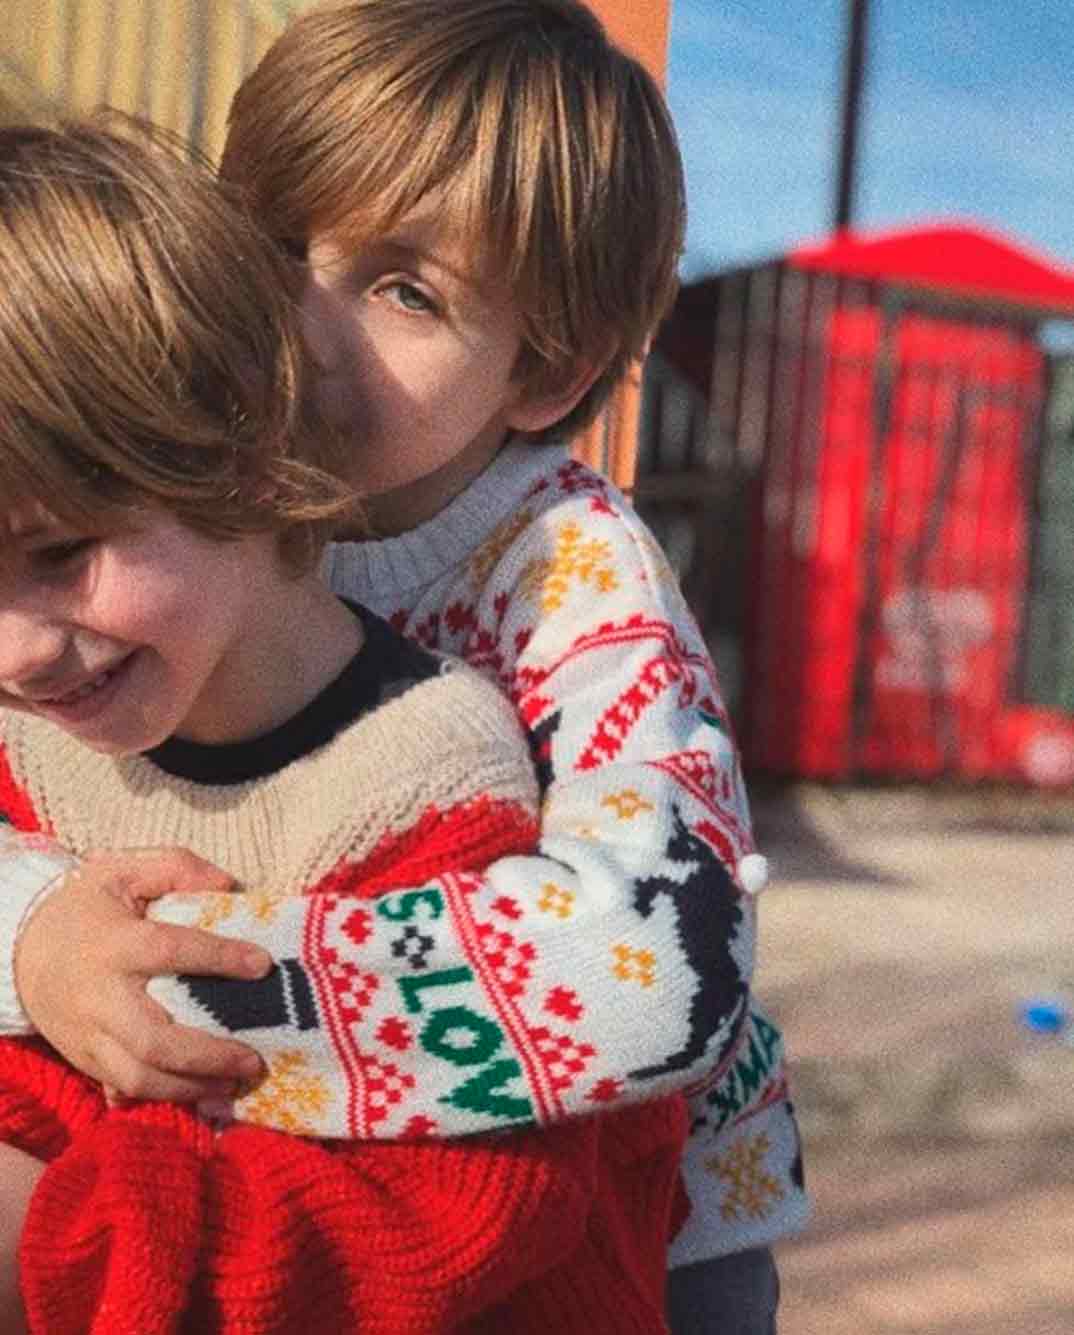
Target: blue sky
(969, 112)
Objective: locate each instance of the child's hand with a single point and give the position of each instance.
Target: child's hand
(84, 957)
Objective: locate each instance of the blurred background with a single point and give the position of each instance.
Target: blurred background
(856, 442)
(855, 438)
(867, 382)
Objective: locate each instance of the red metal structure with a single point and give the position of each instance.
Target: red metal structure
(885, 397)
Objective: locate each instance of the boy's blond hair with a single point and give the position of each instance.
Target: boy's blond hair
(550, 147)
(149, 352)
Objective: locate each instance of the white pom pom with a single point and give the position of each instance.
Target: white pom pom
(753, 873)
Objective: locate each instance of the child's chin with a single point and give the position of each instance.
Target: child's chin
(118, 748)
(128, 742)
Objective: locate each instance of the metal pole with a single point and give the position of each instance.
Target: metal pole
(853, 82)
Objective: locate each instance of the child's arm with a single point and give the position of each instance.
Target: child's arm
(19, 1174)
(409, 1234)
(613, 968)
(78, 938)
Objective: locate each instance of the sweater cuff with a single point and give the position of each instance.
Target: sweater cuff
(31, 867)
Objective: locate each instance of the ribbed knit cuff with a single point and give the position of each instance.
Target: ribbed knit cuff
(31, 867)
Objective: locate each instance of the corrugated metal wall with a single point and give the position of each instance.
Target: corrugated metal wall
(1049, 651)
(176, 62)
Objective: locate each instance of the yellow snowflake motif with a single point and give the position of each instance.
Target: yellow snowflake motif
(588, 562)
(752, 1191)
(627, 804)
(634, 966)
(489, 553)
(554, 899)
(261, 905)
(288, 1099)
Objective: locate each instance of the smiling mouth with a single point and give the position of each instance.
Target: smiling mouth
(82, 692)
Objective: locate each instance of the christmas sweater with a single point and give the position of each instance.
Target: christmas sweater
(146, 1221)
(542, 576)
(615, 966)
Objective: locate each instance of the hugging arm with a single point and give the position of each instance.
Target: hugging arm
(76, 949)
(611, 965)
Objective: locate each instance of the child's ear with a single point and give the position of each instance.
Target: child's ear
(540, 408)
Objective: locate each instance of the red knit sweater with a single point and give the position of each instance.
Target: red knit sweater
(147, 1221)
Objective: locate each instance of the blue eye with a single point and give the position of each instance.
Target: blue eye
(410, 297)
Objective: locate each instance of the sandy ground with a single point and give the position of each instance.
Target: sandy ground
(902, 934)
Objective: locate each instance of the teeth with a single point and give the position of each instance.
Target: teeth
(83, 691)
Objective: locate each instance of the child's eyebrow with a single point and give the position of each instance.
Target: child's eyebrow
(401, 248)
(426, 238)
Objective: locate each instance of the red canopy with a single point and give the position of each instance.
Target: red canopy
(954, 258)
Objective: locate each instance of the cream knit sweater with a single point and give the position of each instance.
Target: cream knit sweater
(442, 742)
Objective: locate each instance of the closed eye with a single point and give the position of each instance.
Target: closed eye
(59, 557)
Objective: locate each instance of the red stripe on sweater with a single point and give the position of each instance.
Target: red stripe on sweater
(344, 1040)
(631, 631)
(15, 802)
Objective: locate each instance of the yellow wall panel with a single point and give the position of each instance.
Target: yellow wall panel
(177, 62)
(166, 100)
(87, 83)
(46, 43)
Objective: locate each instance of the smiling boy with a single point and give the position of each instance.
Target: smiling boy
(147, 658)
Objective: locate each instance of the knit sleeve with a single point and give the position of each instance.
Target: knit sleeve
(612, 967)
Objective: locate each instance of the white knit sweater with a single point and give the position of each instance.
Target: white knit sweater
(543, 576)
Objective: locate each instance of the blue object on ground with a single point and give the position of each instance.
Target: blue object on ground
(1046, 1015)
